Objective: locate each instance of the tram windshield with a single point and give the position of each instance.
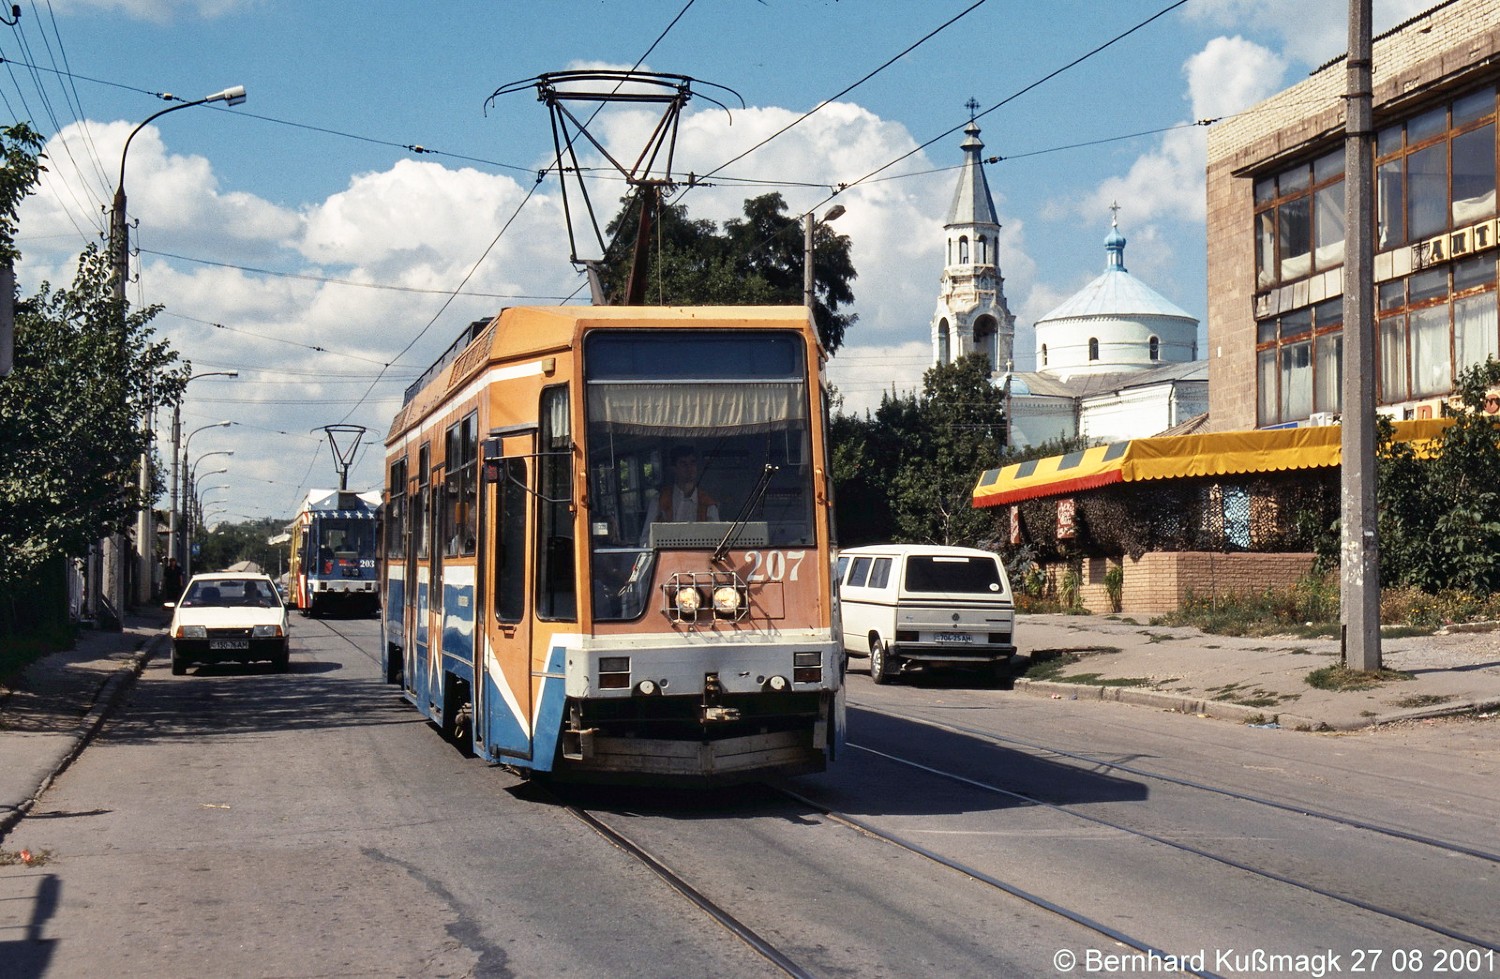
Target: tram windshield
(692, 438)
(345, 543)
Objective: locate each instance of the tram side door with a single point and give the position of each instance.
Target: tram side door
(504, 702)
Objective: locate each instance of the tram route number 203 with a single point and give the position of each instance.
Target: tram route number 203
(774, 565)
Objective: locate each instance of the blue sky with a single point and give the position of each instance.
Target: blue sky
(300, 220)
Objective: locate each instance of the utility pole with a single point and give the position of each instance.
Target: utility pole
(1359, 545)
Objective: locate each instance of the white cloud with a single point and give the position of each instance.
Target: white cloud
(155, 11)
(1310, 33)
(1231, 74)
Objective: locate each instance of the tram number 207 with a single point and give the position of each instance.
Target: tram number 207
(774, 565)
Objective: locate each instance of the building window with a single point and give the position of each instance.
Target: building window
(1093, 348)
(1044, 355)
(1299, 220)
(1434, 324)
(1436, 170)
(983, 257)
(943, 351)
(1299, 363)
(963, 249)
(1155, 348)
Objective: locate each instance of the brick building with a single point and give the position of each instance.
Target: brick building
(1275, 209)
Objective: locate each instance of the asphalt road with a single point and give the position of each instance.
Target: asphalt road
(238, 822)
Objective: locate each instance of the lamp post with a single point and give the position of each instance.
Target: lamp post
(832, 214)
(186, 473)
(119, 248)
(176, 476)
(199, 500)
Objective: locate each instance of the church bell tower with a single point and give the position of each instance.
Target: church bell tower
(971, 314)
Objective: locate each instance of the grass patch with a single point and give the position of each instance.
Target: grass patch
(1340, 678)
(29, 858)
(1099, 680)
(1423, 700)
(1234, 693)
(1048, 664)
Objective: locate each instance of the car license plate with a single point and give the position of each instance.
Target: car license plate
(960, 637)
(229, 644)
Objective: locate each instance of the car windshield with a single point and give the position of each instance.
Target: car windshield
(231, 592)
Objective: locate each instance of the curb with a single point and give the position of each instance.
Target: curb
(110, 692)
(1220, 710)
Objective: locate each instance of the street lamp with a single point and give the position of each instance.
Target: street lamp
(187, 470)
(199, 499)
(176, 476)
(832, 214)
(119, 248)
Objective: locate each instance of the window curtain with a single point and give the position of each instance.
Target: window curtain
(733, 408)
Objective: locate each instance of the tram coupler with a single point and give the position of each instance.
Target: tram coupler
(578, 745)
(711, 712)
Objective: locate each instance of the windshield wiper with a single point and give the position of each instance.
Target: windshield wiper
(750, 503)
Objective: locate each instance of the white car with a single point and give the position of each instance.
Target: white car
(229, 618)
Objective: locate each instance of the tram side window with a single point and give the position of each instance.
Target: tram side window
(556, 592)
(460, 484)
(510, 549)
(395, 512)
(419, 505)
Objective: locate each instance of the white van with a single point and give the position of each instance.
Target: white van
(923, 604)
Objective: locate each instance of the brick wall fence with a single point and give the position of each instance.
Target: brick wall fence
(1161, 580)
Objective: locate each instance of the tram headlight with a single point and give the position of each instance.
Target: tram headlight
(726, 600)
(776, 684)
(688, 601)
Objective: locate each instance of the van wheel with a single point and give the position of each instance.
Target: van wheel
(882, 670)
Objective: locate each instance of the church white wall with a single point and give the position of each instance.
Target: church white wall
(1124, 344)
(1141, 412)
(1040, 419)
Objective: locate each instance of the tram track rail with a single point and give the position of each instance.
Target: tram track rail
(1104, 764)
(768, 950)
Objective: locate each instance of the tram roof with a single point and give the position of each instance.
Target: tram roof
(539, 331)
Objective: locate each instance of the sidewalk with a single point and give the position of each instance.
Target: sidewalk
(59, 703)
(1260, 680)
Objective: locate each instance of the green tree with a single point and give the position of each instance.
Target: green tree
(231, 543)
(960, 432)
(1439, 510)
(87, 370)
(754, 260)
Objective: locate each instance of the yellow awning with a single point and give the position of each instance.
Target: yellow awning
(1177, 457)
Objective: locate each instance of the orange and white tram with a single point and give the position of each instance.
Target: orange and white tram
(608, 544)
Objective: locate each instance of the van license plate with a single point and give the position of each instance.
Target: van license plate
(229, 644)
(955, 637)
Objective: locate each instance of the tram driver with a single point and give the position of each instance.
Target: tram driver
(684, 500)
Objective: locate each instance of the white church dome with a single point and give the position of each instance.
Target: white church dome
(1115, 323)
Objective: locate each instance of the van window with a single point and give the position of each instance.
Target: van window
(880, 573)
(843, 566)
(860, 571)
(960, 575)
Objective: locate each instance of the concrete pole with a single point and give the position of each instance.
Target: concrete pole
(109, 591)
(807, 260)
(172, 551)
(1359, 545)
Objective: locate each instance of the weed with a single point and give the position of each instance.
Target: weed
(1423, 700)
(1342, 678)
